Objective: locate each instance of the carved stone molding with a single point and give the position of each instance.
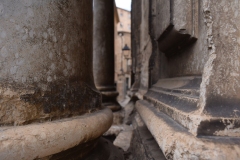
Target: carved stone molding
(174, 26)
(177, 143)
(40, 140)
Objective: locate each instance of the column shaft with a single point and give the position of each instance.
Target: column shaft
(103, 51)
(103, 44)
(47, 80)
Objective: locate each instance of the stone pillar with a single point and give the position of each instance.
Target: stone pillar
(194, 91)
(46, 75)
(135, 47)
(103, 52)
(43, 61)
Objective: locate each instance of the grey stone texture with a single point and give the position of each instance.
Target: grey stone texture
(123, 140)
(177, 143)
(103, 44)
(116, 129)
(141, 47)
(220, 87)
(49, 102)
(42, 140)
(46, 58)
(188, 74)
(103, 52)
(143, 144)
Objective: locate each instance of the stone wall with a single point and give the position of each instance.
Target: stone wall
(135, 45)
(145, 48)
(141, 46)
(221, 77)
(190, 61)
(187, 18)
(192, 73)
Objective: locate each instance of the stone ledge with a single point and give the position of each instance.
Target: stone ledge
(177, 143)
(45, 139)
(143, 145)
(179, 99)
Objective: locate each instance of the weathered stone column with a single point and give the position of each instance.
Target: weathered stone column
(46, 75)
(103, 52)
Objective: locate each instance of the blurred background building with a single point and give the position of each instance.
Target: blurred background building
(123, 60)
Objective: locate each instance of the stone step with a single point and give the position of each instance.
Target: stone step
(190, 82)
(178, 115)
(185, 103)
(191, 92)
(175, 105)
(177, 143)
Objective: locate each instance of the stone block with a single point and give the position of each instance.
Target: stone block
(123, 140)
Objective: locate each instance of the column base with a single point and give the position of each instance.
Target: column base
(113, 106)
(177, 143)
(42, 140)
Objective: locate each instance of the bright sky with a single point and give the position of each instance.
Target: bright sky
(125, 4)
